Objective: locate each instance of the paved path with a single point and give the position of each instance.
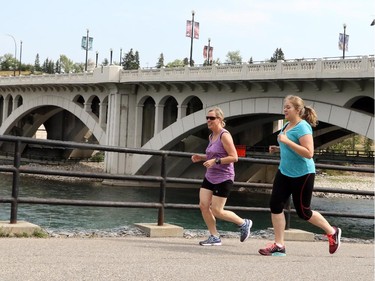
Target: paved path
(143, 258)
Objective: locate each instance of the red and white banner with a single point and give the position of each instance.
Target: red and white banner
(189, 29)
(196, 30)
(210, 53)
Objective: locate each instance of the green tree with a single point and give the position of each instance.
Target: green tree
(105, 62)
(233, 57)
(131, 60)
(368, 144)
(48, 66)
(8, 62)
(37, 66)
(347, 144)
(176, 63)
(66, 65)
(160, 62)
(57, 67)
(78, 67)
(277, 55)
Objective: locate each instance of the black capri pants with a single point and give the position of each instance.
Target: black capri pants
(300, 188)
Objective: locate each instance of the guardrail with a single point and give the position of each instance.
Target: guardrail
(163, 179)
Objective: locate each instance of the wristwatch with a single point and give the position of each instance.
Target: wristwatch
(218, 161)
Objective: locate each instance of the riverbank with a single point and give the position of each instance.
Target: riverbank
(267, 234)
(338, 180)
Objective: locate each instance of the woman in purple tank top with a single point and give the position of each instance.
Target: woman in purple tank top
(218, 182)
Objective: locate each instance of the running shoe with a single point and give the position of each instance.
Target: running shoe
(273, 250)
(334, 240)
(245, 230)
(211, 241)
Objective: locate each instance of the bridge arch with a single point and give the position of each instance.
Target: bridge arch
(348, 119)
(79, 100)
(190, 105)
(361, 103)
(60, 104)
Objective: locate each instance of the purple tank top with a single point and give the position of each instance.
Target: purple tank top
(219, 172)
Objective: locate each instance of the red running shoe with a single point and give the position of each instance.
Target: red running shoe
(273, 250)
(334, 240)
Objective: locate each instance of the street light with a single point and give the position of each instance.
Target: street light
(344, 43)
(96, 59)
(120, 56)
(19, 69)
(192, 37)
(87, 48)
(15, 54)
(208, 51)
(110, 56)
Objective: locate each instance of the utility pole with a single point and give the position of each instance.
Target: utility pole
(87, 48)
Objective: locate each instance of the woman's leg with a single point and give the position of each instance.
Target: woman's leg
(318, 220)
(278, 223)
(205, 199)
(302, 201)
(280, 195)
(217, 208)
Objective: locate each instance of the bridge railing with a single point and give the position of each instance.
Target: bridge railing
(298, 68)
(16, 169)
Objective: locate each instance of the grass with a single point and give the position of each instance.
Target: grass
(38, 233)
(11, 73)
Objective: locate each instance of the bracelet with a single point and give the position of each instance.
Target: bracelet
(218, 161)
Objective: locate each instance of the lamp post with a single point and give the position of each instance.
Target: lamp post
(120, 56)
(192, 38)
(208, 51)
(15, 54)
(87, 48)
(96, 59)
(110, 56)
(344, 43)
(19, 69)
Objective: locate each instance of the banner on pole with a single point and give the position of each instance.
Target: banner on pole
(189, 29)
(208, 52)
(196, 30)
(341, 41)
(84, 43)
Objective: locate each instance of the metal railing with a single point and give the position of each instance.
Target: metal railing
(163, 179)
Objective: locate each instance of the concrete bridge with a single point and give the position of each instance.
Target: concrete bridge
(165, 108)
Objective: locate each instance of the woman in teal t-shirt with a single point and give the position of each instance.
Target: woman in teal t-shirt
(296, 175)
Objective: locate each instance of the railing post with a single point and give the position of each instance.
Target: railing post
(162, 190)
(16, 180)
(287, 214)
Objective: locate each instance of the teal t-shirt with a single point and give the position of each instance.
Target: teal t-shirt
(292, 164)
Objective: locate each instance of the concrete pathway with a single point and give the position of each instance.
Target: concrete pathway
(144, 258)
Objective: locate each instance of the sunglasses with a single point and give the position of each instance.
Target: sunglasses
(212, 118)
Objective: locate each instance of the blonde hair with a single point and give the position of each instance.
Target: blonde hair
(219, 114)
(305, 112)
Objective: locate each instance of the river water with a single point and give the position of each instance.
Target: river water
(72, 218)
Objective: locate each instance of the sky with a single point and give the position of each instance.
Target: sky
(255, 28)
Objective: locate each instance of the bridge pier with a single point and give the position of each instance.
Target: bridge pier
(121, 126)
